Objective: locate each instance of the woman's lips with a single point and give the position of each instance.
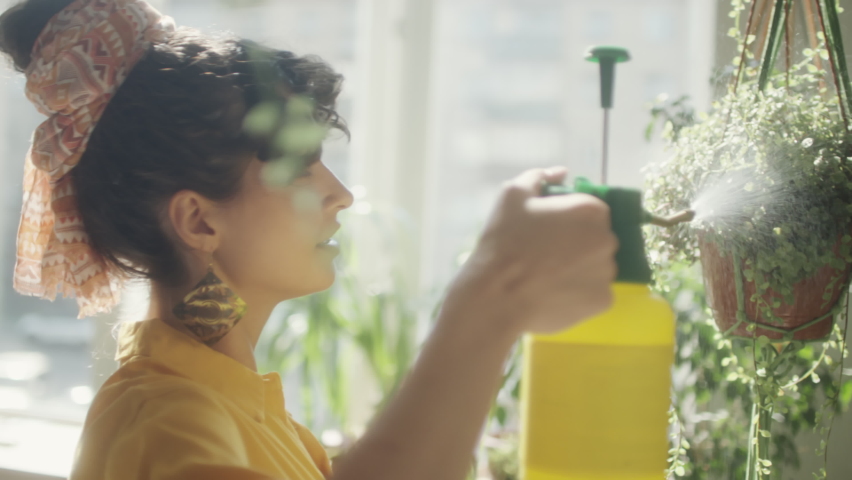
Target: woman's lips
(329, 243)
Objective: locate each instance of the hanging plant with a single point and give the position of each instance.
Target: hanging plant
(768, 172)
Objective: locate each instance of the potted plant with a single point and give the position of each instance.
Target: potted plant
(769, 175)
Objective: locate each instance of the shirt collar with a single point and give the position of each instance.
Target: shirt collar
(190, 358)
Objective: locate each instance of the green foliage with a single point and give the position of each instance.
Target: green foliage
(673, 114)
(313, 334)
(713, 385)
(503, 458)
(785, 153)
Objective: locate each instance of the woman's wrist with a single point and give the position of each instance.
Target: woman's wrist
(475, 309)
(473, 337)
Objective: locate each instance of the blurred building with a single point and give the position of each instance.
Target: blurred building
(514, 92)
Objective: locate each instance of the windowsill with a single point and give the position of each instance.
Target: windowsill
(15, 475)
(36, 448)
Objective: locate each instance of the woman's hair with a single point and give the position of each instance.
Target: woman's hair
(176, 123)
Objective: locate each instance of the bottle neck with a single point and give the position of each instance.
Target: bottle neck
(629, 288)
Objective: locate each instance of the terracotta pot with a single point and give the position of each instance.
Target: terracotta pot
(809, 305)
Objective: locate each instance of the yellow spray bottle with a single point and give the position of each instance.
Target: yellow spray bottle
(595, 398)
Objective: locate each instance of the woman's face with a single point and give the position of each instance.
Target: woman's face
(270, 247)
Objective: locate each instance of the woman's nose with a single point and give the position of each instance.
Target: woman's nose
(340, 198)
(347, 199)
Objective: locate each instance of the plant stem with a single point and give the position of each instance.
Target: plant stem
(788, 30)
(842, 348)
(765, 424)
(773, 42)
(751, 471)
(832, 55)
(835, 47)
(741, 66)
(808, 373)
(812, 38)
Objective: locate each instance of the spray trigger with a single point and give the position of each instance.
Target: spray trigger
(583, 185)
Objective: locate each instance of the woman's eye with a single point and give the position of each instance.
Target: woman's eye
(306, 170)
(304, 173)
(307, 167)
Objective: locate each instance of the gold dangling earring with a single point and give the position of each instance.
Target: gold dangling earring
(211, 309)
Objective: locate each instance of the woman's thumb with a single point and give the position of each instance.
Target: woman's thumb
(530, 181)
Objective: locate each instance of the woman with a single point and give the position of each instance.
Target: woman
(143, 168)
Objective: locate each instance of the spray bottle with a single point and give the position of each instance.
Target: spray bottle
(595, 398)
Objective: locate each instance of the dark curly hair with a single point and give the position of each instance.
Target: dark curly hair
(174, 124)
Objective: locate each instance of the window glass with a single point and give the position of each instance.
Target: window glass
(514, 92)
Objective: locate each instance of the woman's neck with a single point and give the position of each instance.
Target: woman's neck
(239, 343)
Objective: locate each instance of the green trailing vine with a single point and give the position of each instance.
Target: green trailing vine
(714, 400)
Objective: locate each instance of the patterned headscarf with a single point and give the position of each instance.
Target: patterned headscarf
(78, 63)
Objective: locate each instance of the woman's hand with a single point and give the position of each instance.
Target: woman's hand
(543, 263)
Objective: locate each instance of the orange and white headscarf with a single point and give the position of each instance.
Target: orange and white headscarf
(78, 63)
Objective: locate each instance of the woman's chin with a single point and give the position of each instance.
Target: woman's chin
(324, 279)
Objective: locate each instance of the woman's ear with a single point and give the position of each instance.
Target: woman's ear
(193, 219)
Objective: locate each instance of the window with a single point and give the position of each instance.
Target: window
(659, 25)
(599, 26)
(513, 91)
(444, 105)
(657, 83)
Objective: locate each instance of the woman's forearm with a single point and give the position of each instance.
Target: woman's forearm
(430, 428)
(541, 265)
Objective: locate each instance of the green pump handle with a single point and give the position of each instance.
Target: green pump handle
(627, 216)
(607, 57)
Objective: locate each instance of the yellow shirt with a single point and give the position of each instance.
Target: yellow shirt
(178, 410)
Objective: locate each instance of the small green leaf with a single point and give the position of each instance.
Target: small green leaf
(262, 118)
(846, 392)
(279, 172)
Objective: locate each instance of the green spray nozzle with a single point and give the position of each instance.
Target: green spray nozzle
(583, 185)
(627, 216)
